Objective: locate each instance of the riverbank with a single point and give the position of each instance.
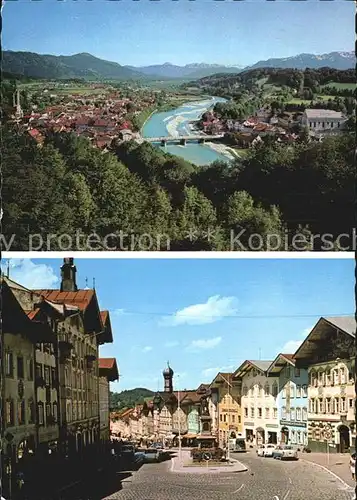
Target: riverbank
(224, 150)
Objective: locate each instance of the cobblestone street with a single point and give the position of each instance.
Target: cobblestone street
(266, 479)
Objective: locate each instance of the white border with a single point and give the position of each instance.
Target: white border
(178, 255)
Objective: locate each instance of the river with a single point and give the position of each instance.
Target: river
(177, 122)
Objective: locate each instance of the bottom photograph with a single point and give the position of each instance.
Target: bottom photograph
(157, 379)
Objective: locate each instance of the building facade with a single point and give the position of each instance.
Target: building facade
(228, 392)
(292, 400)
(259, 402)
(108, 372)
(328, 353)
(322, 120)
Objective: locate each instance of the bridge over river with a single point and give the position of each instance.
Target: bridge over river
(182, 139)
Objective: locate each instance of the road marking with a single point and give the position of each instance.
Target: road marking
(286, 496)
(290, 481)
(327, 470)
(240, 488)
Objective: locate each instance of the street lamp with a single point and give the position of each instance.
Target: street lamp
(229, 420)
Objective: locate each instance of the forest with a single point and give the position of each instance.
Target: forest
(67, 186)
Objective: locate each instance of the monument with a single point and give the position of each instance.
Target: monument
(205, 439)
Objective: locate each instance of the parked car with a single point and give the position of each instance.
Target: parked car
(260, 450)
(285, 452)
(127, 452)
(139, 458)
(269, 450)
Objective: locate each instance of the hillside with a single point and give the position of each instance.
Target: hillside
(129, 398)
(337, 60)
(82, 65)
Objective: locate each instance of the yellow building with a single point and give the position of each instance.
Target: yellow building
(229, 416)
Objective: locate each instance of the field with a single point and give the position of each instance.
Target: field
(341, 86)
(298, 101)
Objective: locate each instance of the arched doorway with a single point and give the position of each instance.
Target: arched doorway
(232, 435)
(260, 436)
(284, 435)
(344, 433)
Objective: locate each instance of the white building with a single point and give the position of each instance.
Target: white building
(323, 120)
(259, 402)
(329, 355)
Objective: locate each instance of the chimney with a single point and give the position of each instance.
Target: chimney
(68, 275)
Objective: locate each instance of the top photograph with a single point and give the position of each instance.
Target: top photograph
(182, 125)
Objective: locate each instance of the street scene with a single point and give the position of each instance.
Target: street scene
(94, 412)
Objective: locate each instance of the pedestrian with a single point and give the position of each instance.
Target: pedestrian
(353, 465)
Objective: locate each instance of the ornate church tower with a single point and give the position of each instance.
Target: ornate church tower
(19, 114)
(168, 374)
(68, 274)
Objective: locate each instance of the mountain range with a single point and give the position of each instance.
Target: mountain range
(89, 67)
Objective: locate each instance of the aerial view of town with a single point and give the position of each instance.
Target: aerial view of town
(132, 386)
(107, 146)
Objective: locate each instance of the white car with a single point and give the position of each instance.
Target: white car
(285, 452)
(269, 450)
(260, 450)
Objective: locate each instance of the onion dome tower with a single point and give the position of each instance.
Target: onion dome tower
(168, 374)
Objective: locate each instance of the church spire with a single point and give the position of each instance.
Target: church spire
(68, 274)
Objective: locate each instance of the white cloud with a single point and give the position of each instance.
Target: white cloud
(173, 343)
(292, 346)
(119, 312)
(31, 275)
(147, 348)
(214, 309)
(205, 343)
(211, 372)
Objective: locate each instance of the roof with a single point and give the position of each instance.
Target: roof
(280, 362)
(323, 113)
(225, 377)
(80, 298)
(322, 335)
(108, 368)
(248, 364)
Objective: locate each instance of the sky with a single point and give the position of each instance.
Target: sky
(202, 315)
(148, 32)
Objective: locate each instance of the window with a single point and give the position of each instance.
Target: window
(320, 405)
(335, 377)
(304, 391)
(283, 393)
(9, 364)
(304, 414)
(283, 413)
(267, 389)
(9, 407)
(342, 405)
(343, 376)
(31, 411)
(288, 371)
(53, 376)
(40, 416)
(275, 412)
(292, 391)
(259, 413)
(334, 405)
(292, 437)
(30, 369)
(313, 380)
(245, 390)
(20, 367)
(328, 378)
(298, 414)
(233, 419)
(267, 413)
(47, 375)
(297, 372)
(221, 417)
(48, 410)
(298, 391)
(350, 403)
(245, 412)
(252, 412)
(275, 389)
(224, 418)
(239, 419)
(328, 405)
(292, 414)
(38, 370)
(21, 412)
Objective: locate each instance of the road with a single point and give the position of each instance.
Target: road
(266, 479)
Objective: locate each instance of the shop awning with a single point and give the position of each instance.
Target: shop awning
(189, 436)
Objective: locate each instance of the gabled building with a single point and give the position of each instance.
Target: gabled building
(108, 372)
(328, 353)
(259, 401)
(292, 400)
(229, 416)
